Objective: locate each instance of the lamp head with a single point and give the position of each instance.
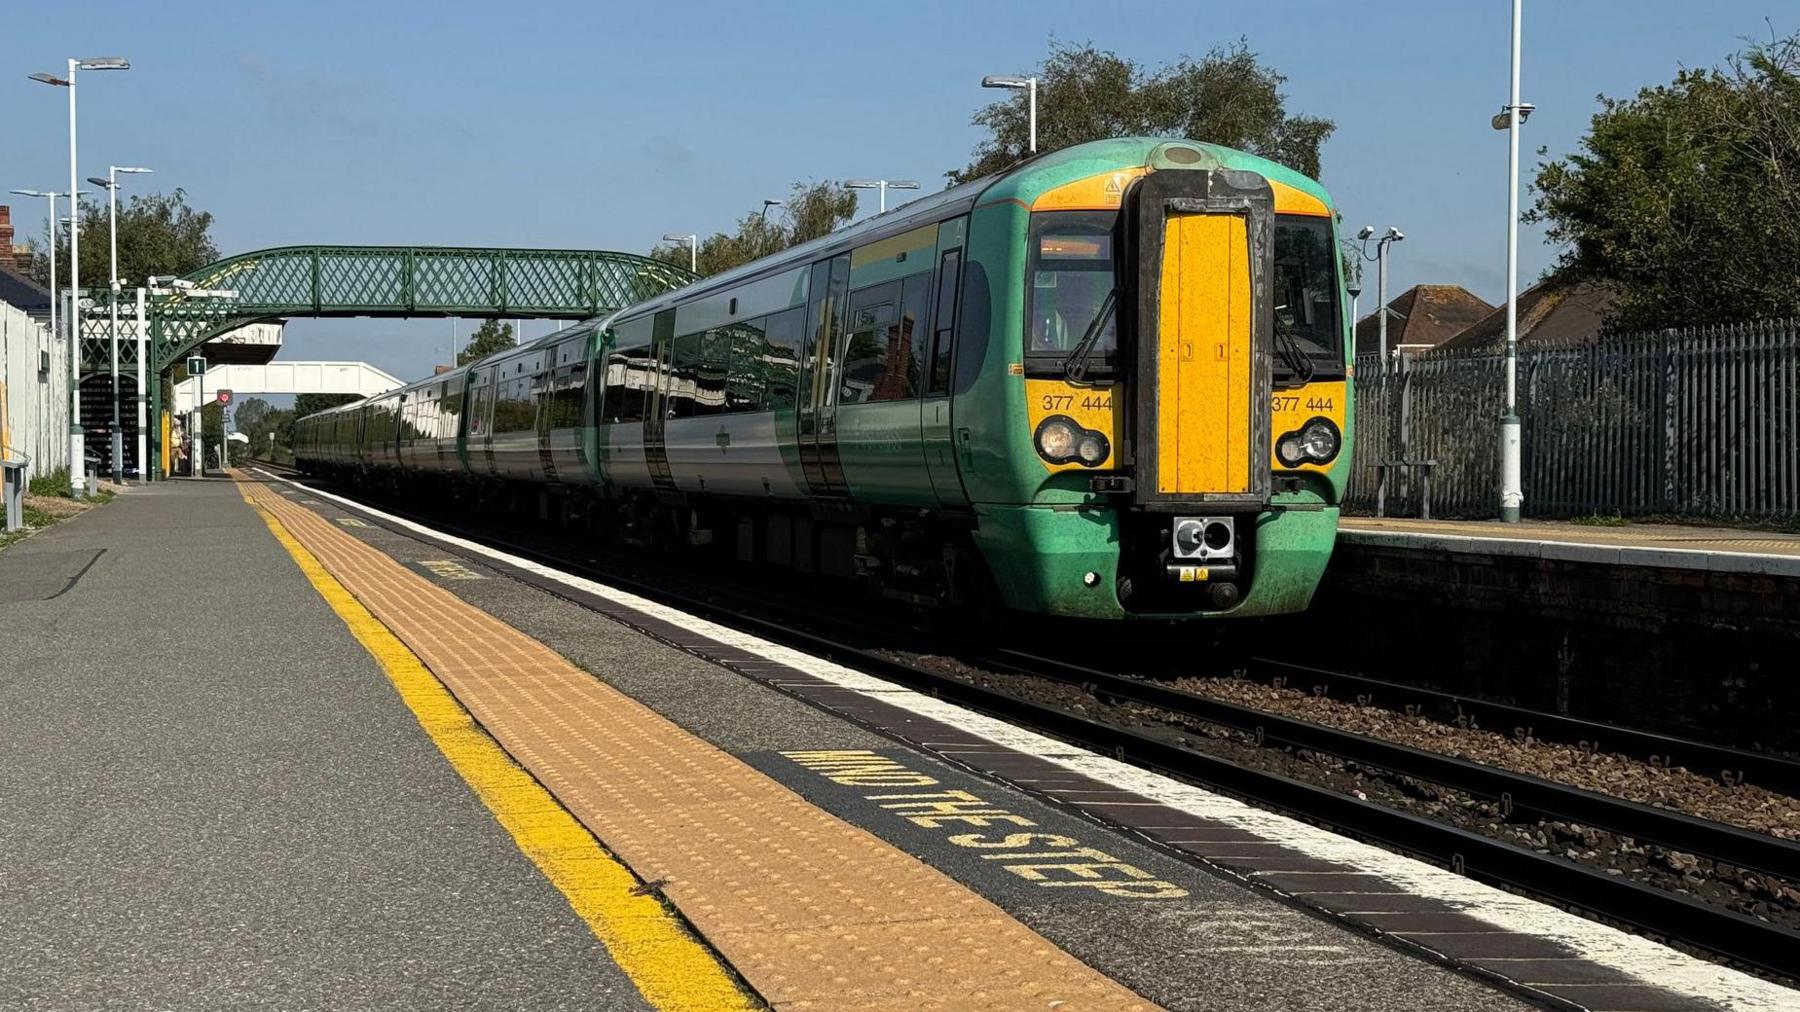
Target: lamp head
(50, 79)
(101, 181)
(903, 184)
(130, 168)
(35, 193)
(1005, 81)
(670, 237)
(104, 63)
(862, 184)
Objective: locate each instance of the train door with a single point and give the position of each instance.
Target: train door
(656, 417)
(817, 402)
(936, 410)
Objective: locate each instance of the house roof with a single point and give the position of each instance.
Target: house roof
(21, 292)
(1424, 316)
(1550, 312)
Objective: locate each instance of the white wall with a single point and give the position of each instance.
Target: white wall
(35, 424)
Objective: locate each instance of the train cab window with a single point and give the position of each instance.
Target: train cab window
(1308, 324)
(1071, 276)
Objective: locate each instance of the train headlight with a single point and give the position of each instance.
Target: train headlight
(1057, 438)
(1062, 440)
(1320, 439)
(1316, 442)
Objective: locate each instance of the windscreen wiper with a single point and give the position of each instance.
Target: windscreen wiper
(1075, 367)
(1287, 347)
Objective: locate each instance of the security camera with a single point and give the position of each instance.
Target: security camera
(1396, 235)
(183, 284)
(1367, 231)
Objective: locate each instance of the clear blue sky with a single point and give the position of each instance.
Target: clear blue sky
(598, 125)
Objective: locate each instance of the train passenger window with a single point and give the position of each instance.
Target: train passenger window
(574, 395)
(944, 322)
(513, 407)
(746, 386)
(629, 375)
(873, 319)
(781, 357)
(907, 345)
(715, 364)
(682, 391)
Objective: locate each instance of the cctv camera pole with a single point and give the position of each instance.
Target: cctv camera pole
(1381, 255)
(1512, 495)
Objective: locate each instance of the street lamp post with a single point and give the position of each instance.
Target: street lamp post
(111, 183)
(1514, 115)
(881, 186)
(693, 241)
(52, 194)
(1029, 86)
(143, 438)
(77, 441)
(1388, 238)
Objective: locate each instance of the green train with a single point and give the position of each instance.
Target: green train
(1107, 383)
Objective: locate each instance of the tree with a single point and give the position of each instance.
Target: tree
(1227, 97)
(490, 337)
(251, 413)
(158, 234)
(810, 211)
(1685, 199)
(312, 404)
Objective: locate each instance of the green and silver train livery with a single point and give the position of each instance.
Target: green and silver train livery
(1108, 383)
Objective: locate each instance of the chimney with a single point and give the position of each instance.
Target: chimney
(8, 258)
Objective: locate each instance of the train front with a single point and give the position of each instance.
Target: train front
(1182, 339)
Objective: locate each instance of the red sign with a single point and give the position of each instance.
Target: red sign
(224, 397)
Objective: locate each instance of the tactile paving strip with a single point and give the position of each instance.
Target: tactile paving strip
(813, 912)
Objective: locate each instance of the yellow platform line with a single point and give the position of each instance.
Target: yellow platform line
(670, 968)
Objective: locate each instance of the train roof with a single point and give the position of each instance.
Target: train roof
(1061, 165)
(1074, 161)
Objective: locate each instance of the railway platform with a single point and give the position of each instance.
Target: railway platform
(262, 746)
(1672, 547)
(1684, 629)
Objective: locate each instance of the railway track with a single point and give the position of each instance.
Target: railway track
(1519, 795)
(1730, 766)
(1728, 934)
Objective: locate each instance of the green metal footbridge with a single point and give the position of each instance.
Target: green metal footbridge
(385, 281)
